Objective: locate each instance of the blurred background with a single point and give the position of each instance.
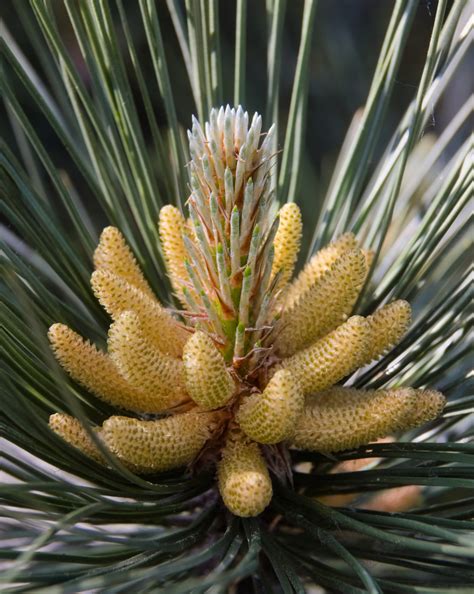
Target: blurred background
(346, 43)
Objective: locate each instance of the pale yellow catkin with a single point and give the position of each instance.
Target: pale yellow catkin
(158, 376)
(172, 227)
(387, 327)
(343, 418)
(323, 306)
(287, 242)
(243, 479)
(272, 416)
(429, 405)
(117, 296)
(320, 263)
(153, 446)
(71, 430)
(114, 255)
(94, 369)
(207, 380)
(331, 358)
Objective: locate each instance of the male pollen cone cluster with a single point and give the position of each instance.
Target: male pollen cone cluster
(252, 359)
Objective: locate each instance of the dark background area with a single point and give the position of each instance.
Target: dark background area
(346, 42)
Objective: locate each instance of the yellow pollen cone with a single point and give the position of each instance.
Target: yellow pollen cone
(287, 242)
(323, 306)
(331, 358)
(207, 380)
(71, 430)
(152, 446)
(387, 327)
(94, 369)
(429, 405)
(172, 226)
(343, 418)
(114, 255)
(320, 263)
(244, 482)
(117, 296)
(158, 376)
(271, 417)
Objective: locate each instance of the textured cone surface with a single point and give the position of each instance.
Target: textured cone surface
(324, 306)
(172, 226)
(71, 430)
(331, 358)
(244, 482)
(152, 446)
(94, 369)
(159, 377)
(430, 404)
(343, 418)
(114, 255)
(319, 264)
(207, 380)
(272, 416)
(387, 327)
(117, 296)
(287, 241)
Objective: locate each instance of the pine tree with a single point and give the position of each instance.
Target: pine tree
(201, 390)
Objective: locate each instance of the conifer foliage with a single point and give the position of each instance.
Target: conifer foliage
(204, 390)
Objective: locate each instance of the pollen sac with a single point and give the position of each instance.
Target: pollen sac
(343, 418)
(244, 482)
(331, 358)
(172, 227)
(320, 263)
(71, 430)
(152, 446)
(117, 296)
(271, 417)
(429, 405)
(95, 370)
(287, 241)
(207, 380)
(159, 376)
(387, 327)
(114, 255)
(324, 306)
